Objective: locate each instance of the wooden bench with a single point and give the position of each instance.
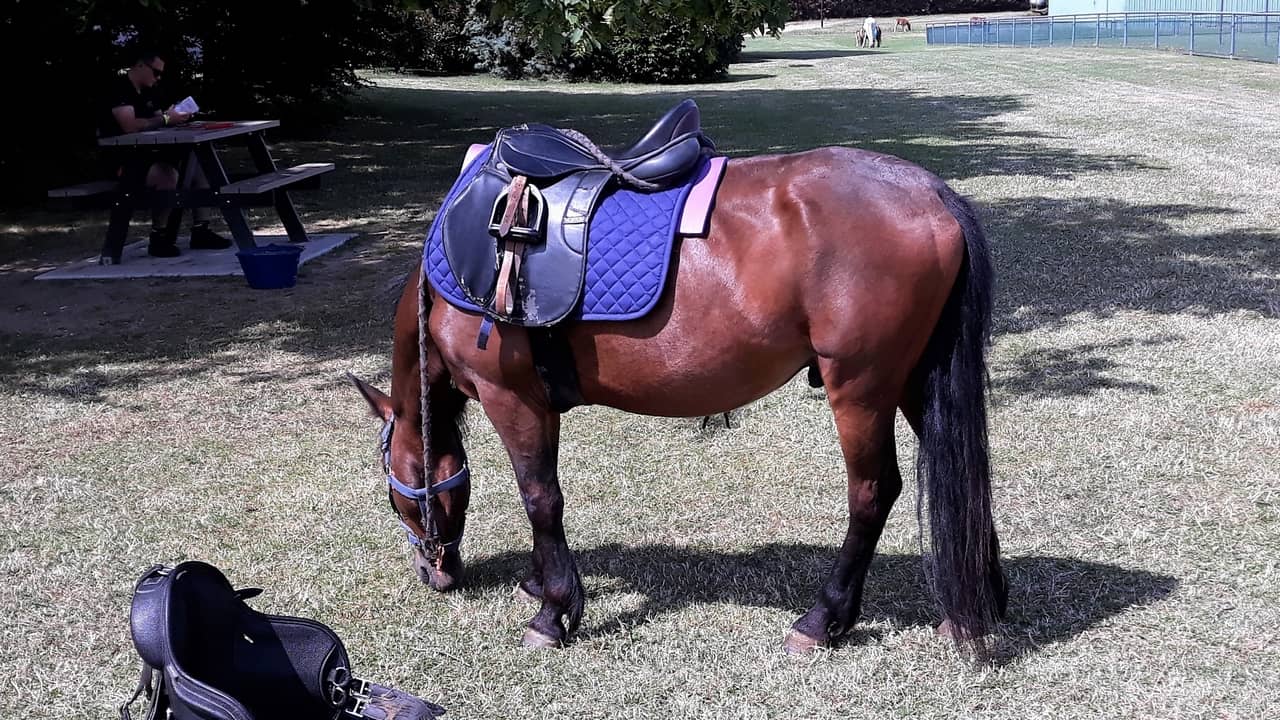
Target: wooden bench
(276, 180)
(84, 190)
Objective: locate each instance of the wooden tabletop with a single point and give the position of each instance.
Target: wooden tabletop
(194, 132)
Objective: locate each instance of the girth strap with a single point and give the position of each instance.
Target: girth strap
(553, 359)
(155, 696)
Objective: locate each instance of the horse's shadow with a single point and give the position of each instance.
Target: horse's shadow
(1050, 598)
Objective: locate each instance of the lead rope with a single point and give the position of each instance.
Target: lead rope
(431, 543)
(608, 162)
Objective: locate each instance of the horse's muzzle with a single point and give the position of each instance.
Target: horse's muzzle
(445, 578)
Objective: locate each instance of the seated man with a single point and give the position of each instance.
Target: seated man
(132, 107)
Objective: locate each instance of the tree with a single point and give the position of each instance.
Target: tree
(579, 27)
(808, 9)
(289, 59)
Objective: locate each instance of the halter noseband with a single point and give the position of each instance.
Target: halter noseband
(430, 545)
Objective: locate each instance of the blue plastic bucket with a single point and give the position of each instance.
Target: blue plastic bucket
(270, 267)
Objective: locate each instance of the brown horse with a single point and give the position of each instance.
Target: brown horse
(868, 267)
(902, 24)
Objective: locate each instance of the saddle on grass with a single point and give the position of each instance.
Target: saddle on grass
(544, 226)
(206, 655)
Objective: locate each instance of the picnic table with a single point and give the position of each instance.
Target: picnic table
(189, 146)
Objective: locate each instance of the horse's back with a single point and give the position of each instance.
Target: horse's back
(869, 241)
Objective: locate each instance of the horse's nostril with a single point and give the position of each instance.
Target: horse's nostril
(443, 581)
(422, 569)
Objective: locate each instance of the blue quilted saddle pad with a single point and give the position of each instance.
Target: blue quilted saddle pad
(629, 248)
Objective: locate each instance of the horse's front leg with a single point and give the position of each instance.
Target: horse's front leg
(531, 435)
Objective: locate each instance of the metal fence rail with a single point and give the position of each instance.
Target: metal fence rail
(1245, 36)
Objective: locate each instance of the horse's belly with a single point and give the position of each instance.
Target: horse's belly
(655, 379)
(728, 329)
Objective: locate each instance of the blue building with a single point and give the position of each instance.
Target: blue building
(1089, 7)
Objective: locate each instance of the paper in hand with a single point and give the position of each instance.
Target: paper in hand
(187, 106)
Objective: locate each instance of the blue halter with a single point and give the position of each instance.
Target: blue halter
(429, 545)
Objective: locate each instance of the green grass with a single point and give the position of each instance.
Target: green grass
(1133, 202)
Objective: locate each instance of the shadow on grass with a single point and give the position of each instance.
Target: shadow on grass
(1050, 599)
(1056, 257)
(400, 152)
(758, 56)
(1078, 371)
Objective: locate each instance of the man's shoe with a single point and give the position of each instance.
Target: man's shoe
(163, 251)
(202, 238)
(162, 246)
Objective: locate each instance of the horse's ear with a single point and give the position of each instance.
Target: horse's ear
(379, 402)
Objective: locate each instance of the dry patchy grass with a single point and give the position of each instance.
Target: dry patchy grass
(1133, 203)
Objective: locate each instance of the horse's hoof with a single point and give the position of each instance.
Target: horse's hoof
(534, 639)
(797, 643)
(948, 629)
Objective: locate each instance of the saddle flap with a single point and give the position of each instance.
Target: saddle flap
(148, 615)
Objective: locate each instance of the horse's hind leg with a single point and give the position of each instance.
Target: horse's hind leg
(866, 439)
(532, 436)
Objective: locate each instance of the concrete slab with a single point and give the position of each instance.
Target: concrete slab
(136, 263)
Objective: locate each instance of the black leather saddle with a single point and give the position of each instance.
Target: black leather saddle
(212, 657)
(567, 176)
(665, 155)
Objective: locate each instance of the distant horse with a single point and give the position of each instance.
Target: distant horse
(894, 314)
(902, 24)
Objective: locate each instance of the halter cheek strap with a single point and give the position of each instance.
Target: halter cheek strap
(421, 496)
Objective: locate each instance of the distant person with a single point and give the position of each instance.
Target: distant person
(872, 29)
(132, 106)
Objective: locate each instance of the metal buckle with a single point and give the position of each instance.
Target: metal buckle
(339, 686)
(360, 697)
(348, 692)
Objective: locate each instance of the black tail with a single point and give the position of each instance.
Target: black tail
(952, 467)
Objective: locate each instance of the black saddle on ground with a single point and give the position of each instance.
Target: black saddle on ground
(571, 176)
(212, 657)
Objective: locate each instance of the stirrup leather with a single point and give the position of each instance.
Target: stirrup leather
(517, 220)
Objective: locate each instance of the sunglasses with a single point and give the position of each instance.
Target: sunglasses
(155, 71)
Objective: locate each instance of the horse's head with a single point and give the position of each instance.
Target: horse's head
(432, 513)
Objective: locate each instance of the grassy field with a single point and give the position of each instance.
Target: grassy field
(1133, 201)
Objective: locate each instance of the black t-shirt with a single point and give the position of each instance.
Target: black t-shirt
(120, 92)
